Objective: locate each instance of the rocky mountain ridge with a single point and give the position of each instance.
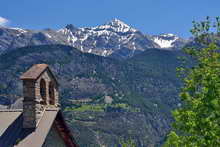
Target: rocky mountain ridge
(113, 38)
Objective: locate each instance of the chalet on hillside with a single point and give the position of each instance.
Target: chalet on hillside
(40, 123)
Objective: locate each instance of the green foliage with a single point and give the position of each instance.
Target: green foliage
(204, 30)
(127, 143)
(103, 108)
(197, 122)
(95, 108)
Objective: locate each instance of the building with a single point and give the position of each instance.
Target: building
(40, 123)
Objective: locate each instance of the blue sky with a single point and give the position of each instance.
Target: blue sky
(148, 16)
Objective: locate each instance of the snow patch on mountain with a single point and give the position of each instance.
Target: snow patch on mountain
(117, 26)
(48, 35)
(165, 40)
(64, 31)
(168, 35)
(19, 30)
(71, 38)
(164, 43)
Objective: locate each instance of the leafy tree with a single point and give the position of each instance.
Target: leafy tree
(197, 121)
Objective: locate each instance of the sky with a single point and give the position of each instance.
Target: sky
(149, 16)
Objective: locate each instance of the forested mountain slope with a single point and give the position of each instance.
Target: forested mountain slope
(125, 99)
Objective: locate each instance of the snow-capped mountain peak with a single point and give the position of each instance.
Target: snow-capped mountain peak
(119, 23)
(165, 40)
(115, 38)
(104, 39)
(118, 26)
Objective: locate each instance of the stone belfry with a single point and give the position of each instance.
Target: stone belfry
(40, 92)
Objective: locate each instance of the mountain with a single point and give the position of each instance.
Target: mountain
(126, 99)
(11, 38)
(169, 41)
(115, 38)
(108, 38)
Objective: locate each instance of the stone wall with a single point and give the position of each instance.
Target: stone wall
(29, 115)
(33, 105)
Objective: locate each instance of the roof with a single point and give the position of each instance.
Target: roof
(11, 131)
(34, 72)
(7, 118)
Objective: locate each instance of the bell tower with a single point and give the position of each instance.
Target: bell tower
(40, 91)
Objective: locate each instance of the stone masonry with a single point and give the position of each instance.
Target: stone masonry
(34, 104)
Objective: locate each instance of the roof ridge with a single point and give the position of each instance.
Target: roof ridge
(34, 72)
(11, 110)
(52, 109)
